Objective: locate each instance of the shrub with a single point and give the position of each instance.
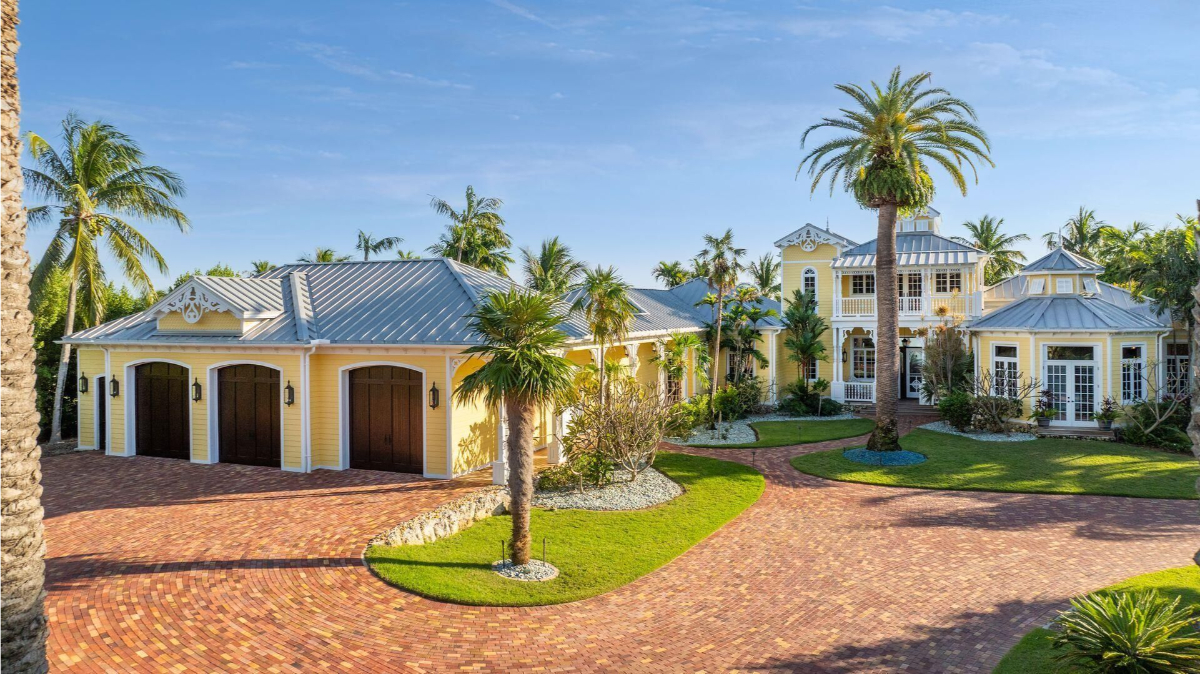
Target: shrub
(991, 413)
(1141, 426)
(1122, 632)
(958, 409)
(580, 468)
(831, 407)
(624, 430)
(692, 413)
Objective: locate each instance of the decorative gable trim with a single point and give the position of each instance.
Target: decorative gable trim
(193, 300)
(810, 236)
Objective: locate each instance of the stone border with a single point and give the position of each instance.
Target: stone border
(447, 519)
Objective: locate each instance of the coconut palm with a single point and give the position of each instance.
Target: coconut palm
(1084, 234)
(765, 273)
(604, 302)
(1119, 248)
(97, 179)
(699, 268)
(672, 274)
(521, 370)
(22, 575)
(407, 255)
(723, 260)
(895, 133)
(1003, 259)
(261, 266)
(674, 358)
(368, 245)
(552, 270)
(322, 256)
(475, 235)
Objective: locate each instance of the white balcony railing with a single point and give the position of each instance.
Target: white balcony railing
(926, 306)
(857, 306)
(912, 306)
(859, 391)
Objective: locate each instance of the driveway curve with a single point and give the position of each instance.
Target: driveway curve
(162, 565)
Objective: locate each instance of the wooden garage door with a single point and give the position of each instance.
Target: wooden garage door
(248, 419)
(385, 419)
(162, 411)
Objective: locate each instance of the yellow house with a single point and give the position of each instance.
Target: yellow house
(329, 366)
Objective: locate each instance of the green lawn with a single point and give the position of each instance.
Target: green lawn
(781, 433)
(1034, 655)
(595, 552)
(1044, 466)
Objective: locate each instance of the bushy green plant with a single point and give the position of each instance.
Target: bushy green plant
(957, 409)
(694, 412)
(803, 400)
(590, 468)
(1170, 434)
(1129, 633)
(727, 403)
(831, 407)
(991, 413)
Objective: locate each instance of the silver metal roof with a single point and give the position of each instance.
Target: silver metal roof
(912, 249)
(1066, 313)
(251, 295)
(1061, 259)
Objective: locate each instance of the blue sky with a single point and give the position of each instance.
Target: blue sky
(629, 130)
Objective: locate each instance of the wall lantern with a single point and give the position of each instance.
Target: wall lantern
(434, 397)
(82, 383)
(845, 356)
(289, 394)
(904, 342)
(114, 388)
(196, 390)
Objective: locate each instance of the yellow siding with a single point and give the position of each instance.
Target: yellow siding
(91, 364)
(199, 363)
(796, 260)
(474, 428)
(647, 372)
(211, 321)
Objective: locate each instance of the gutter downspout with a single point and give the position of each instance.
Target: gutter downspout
(305, 408)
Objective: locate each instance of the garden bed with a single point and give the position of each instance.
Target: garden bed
(650, 489)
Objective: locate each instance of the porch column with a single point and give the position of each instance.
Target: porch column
(837, 293)
(631, 352)
(926, 292)
(772, 396)
(500, 465)
(558, 427)
(837, 389)
(659, 348)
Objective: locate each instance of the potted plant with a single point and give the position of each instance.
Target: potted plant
(1043, 409)
(1108, 412)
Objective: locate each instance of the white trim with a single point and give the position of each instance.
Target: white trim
(130, 446)
(1120, 373)
(214, 411)
(98, 391)
(1097, 381)
(108, 445)
(344, 412)
(1016, 360)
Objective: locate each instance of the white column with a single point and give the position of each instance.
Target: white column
(658, 362)
(772, 396)
(558, 427)
(837, 389)
(500, 465)
(927, 292)
(837, 293)
(631, 352)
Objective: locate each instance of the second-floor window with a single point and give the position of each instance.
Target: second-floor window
(862, 284)
(809, 282)
(909, 284)
(947, 282)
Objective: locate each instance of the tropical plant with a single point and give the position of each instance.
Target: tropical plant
(322, 256)
(803, 330)
(1164, 268)
(1118, 248)
(1083, 236)
(674, 354)
(699, 268)
(552, 270)
(520, 337)
(1003, 259)
(1139, 632)
(368, 245)
(22, 575)
(407, 255)
(895, 133)
(475, 235)
(260, 267)
(957, 408)
(765, 273)
(604, 302)
(723, 262)
(672, 274)
(97, 179)
(947, 362)
(217, 269)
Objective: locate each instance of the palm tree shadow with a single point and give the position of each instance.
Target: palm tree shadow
(72, 571)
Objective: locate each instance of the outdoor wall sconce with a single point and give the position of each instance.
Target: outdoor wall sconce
(289, 394)
(904, 342)
(82, 383)
(196, 390)
(434, 397)
(845, 356)
(114, 388)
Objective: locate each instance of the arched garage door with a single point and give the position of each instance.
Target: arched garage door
(386, 426)
(161, 416)
(248, 418)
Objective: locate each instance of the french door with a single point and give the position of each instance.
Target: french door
(1074, 387)
(911, 377)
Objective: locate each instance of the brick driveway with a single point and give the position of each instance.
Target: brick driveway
(162, 565)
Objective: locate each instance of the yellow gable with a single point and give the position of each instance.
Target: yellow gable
(209, 322)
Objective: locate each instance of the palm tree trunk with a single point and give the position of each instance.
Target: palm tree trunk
(520, 473)
(601, 361)
(22, 548)
(716, 361)
(64, 363)
(885, 436)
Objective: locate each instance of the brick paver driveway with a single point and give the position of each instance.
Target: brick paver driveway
(159, 564)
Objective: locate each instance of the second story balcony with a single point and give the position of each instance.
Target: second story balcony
(921, 307)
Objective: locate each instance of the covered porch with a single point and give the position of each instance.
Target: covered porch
(854, 364)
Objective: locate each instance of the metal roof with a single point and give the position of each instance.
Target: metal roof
(1066, 313)
(251, 295)
(912, 249)
(1061, 259)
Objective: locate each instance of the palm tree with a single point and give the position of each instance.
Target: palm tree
(553, 270)
(1119, 248)
(322, 256)
(261, 266)
(765, 272)
(604, 302)
(1003, 259)
(369, 245)
(699, 268)
(521, 370)
(802, 330)
(23, 573)
(724, 264)
(672, 274)
(407, 255)
(1084, 235)
(98, 179)
(673, 360)
(895, 134)
(475, 235)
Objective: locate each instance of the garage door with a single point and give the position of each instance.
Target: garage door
(385, 419)
(162, 411)
(248, 418)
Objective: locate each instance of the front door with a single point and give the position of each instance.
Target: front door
(386, 424)
(162, 411)
(910, 385)
(248, 418)
(1073, 384)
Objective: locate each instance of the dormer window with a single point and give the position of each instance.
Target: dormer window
(1037, 286)
(922, 225)
(1063, 286)
(1089, 285)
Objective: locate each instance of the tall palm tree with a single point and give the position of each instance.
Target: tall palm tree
(475, 235)
(322, 256)
(895, 133)
(98, 179)
(23, 572)
(723, 260)
(1083, 236)
(1003, 259)
(1119, 248)
(368, 245)
(261, 266)
(672, 274)
(407, 255)
(765, 273)
(699, 268)
(604, 302)
(552, 270)
(520, 336)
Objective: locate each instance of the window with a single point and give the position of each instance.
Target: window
(862, 284)
(862, 358)
(674, 391)
(1063, 286)
(946, 282)
(809, 281)
(731, 368)
(1004, 370)
(1070, 353)
(1179, 371)
(909, 285)
(1037, 286)
(1089, 285)
(1132, 374)
(922, 225)
(810, 370)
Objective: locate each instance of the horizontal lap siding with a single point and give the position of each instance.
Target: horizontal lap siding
(91, 364)
(796, 259)
(474, 436)
(210, 321)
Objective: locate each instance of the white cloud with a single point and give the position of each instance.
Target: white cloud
(889, 22)
(251, 65)
(522, 12)
(344, 61)
(558, 95)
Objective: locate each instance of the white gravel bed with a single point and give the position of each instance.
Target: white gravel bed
(536, 570)
(739, 432)
(945, 427)
(651, 488)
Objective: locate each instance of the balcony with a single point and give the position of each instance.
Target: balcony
(925, 306)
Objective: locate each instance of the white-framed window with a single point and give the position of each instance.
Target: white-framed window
(1064, 286)
(808, 281)
(862, 358)
(1179, 371)
(862, 284)
(946, 282)
(910, 284)
(1133, 366)
(1004, 370)
(810, 370)
(1037, 286)
(731, 367)
(1089, 285)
